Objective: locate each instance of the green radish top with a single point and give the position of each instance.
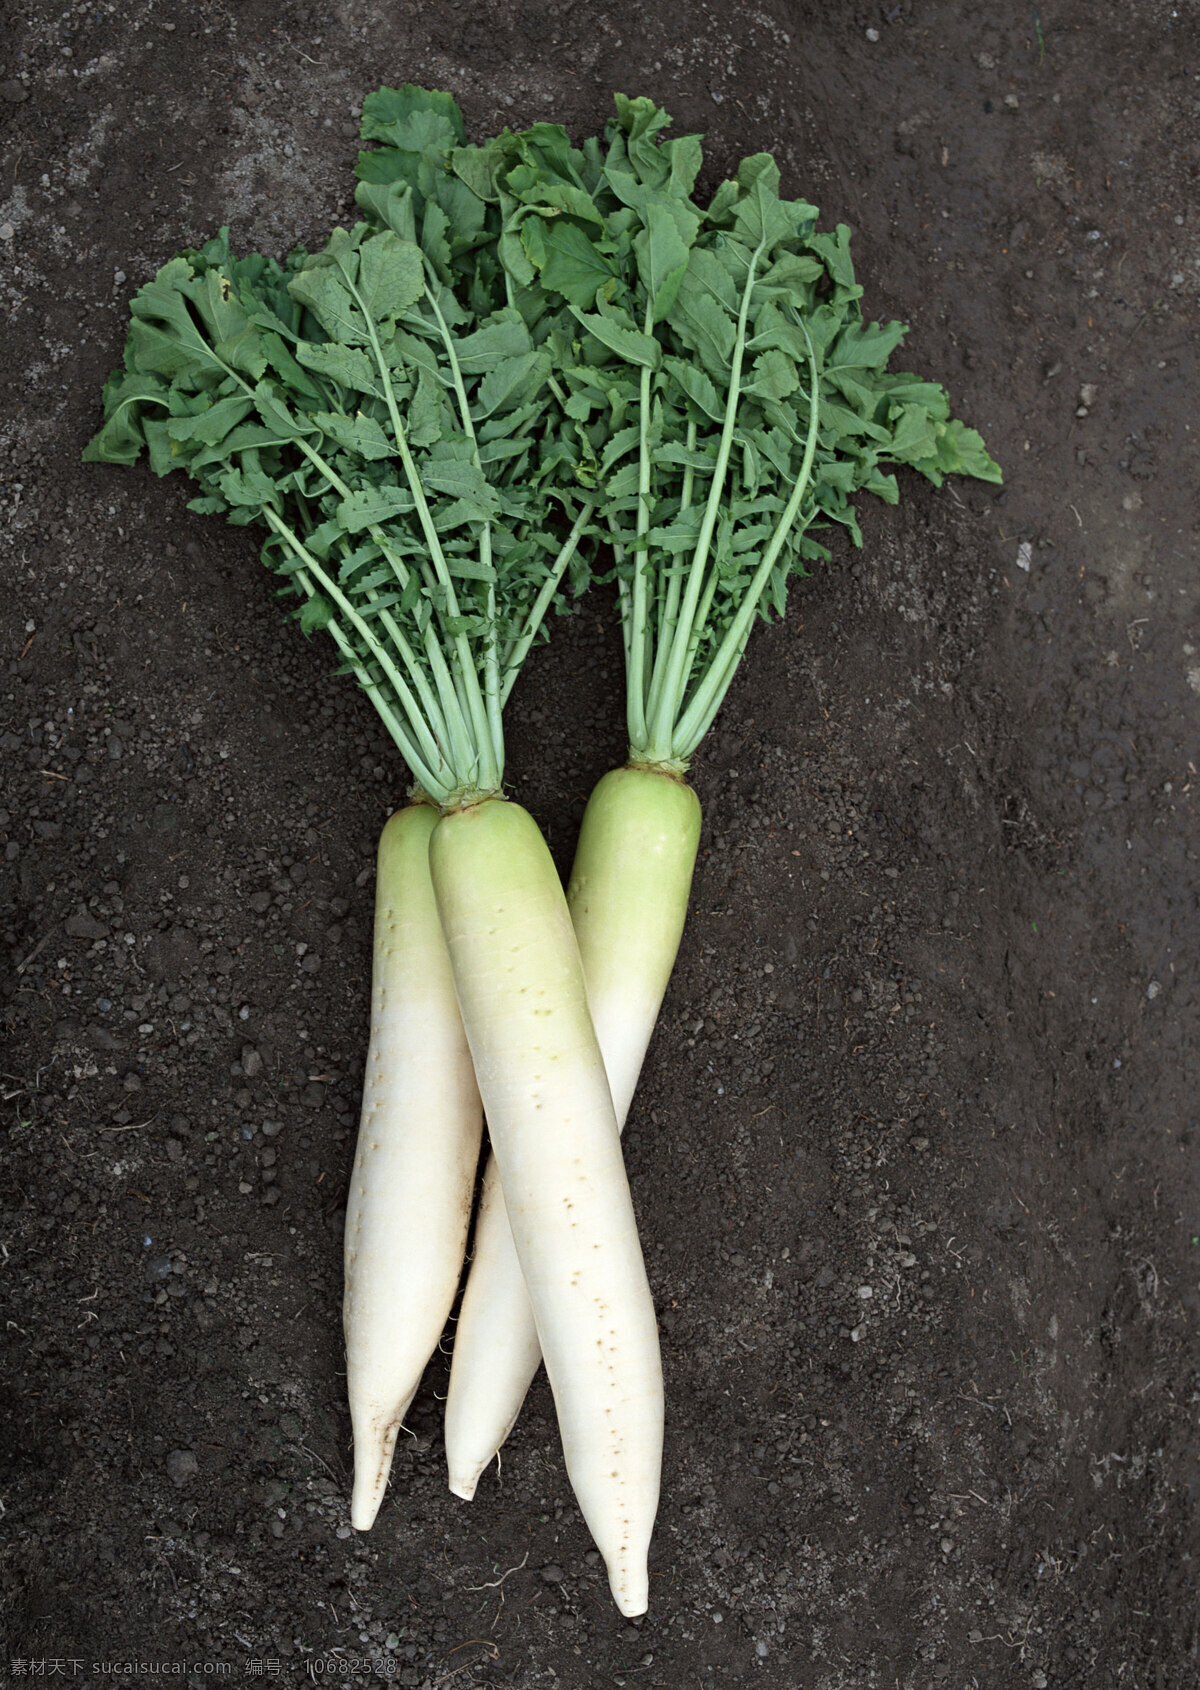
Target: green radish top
(698, 339)
(383, 408)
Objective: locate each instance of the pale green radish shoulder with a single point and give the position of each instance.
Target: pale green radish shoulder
(628, 896)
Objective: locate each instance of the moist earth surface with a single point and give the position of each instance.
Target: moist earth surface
(914, 1150)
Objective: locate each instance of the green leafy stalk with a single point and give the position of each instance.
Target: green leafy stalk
(658, 743)
(518, 649)
(710, 689)
(726, 346)
(384, 412)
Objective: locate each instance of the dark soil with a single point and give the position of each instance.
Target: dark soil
(915, 1146)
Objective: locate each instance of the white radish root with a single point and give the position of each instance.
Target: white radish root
(520, 988)
(414, 1169)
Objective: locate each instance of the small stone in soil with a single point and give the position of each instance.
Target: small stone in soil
(182, 1465)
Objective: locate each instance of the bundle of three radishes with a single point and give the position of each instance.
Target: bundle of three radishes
(532, 362)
